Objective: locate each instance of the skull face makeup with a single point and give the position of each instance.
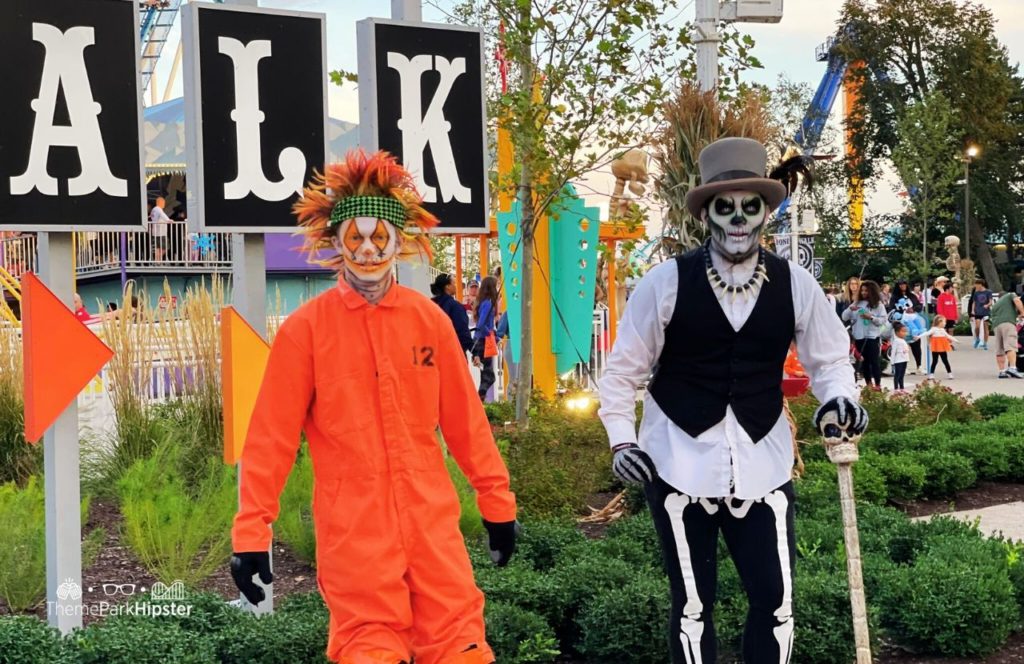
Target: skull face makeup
(736, 220)
(368, 247)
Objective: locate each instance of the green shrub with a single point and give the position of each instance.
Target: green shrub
(520, 584)
(935, 403)
(989, 454)
(824, 631)
(179, 531)
(542, 542)
(955, 600)
(133, 640)
(639, 530)
(946, 473)
(558, 463)
(23, 544)
(294, 525)
(470, 521)
(803, 408)
(1010, 423)
(993, 405)
(27, 640)
(627, 623)
(278, 638)
(730, 614)
(922, 438)
(819, 487)
(518, 636)
(904, 477)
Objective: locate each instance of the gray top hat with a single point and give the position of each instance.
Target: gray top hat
(731, 164)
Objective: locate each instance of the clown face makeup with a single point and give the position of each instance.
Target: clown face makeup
(737, 220)
(368, 247)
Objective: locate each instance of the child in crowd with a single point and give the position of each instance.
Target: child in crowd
(941, 342)
(915, 328)
(899, 356)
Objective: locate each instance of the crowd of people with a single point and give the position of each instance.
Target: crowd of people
(892, 323)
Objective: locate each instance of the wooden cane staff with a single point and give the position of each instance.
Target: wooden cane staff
(843, 451)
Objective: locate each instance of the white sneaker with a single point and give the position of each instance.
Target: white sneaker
(1013, 372)
(929, 377)
(951, 375)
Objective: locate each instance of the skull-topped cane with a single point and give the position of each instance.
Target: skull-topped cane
(842, 436)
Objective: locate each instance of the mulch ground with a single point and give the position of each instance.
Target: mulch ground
(1011, 653)
(117, 564)
(986, 494)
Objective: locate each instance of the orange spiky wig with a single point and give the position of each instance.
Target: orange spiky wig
(363, 185)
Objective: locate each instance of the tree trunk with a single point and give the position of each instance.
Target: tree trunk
(984, 254)
(524, 384)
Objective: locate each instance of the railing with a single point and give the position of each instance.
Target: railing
(18, 254)
(101, 252)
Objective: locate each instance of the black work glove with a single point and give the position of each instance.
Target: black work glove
(840, 417)
(632, 465)
(244, 566)
(501, 540)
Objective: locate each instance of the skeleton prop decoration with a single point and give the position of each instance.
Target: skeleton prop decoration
(841, 423)
(714, 451)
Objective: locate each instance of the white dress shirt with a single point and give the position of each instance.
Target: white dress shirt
(723, 460)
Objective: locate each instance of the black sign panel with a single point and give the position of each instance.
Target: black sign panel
(71, 116)
(257, 107)
(421, 88)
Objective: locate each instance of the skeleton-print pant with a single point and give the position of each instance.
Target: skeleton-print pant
(759, 535)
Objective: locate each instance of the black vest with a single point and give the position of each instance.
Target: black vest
(706, 366)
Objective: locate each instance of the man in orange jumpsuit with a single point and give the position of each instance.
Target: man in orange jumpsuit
(369, 370)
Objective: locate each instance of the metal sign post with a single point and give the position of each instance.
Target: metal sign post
(68, 166)
(61, 471)
(268, 106)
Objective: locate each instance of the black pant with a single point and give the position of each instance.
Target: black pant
(871, 360)
(899, 372)
(935, 361)
(761, 541)
(915, 350)
(487, 376)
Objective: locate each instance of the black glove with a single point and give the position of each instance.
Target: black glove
(244, 566)
(501, 540)
(632, 465)
(840, 415)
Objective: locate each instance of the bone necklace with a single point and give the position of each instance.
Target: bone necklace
(747, 290)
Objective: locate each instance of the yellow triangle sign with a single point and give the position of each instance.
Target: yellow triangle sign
(243, 362)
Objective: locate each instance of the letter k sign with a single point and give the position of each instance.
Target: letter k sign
(430, 128)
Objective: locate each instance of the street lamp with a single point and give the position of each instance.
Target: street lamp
(970, 155)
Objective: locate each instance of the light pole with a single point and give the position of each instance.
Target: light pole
(972, 152)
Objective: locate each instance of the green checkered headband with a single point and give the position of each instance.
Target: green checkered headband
(376, 207)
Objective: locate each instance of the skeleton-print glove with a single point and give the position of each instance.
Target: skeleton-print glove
(244, 566)
(501, 540)
(632, 465)
(840, 417)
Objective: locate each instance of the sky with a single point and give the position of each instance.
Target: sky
(787, 47)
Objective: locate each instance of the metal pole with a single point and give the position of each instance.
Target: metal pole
(706, 38)
(249, 296)
(407, 10)
(967, 208)
(60, 455)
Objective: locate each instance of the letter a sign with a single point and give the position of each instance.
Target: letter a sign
(421, 98)
(256, 92)
(71, 116)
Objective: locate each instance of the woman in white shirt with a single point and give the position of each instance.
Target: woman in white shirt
(867, 317)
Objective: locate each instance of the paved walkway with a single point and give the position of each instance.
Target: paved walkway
(1006, 520)
(975, 370)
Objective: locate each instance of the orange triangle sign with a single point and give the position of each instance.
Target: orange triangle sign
(244, 356)
(61, 356)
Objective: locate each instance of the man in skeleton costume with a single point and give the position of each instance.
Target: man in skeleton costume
(715, 450)
(369, 370)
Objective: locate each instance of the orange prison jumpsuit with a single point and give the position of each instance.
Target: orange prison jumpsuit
(369, 385)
